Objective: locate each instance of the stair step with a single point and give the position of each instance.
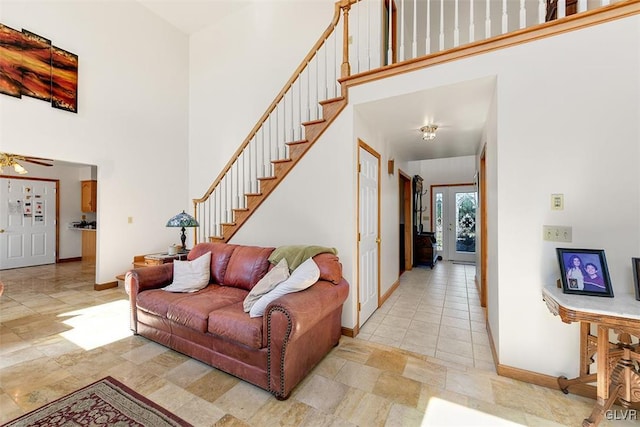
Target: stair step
(267, 178)
(228, 224)
(214, 239)
(313, 122)
(298, 142)
(240, 209)
(331, 100)
(281, 161)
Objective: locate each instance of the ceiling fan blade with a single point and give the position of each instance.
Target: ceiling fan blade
(29, 159)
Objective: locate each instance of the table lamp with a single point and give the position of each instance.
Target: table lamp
(183, 220)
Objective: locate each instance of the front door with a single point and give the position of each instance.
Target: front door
(368, 232)
(455, 222)
(27, 222)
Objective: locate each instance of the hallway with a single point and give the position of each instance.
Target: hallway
(435, 313)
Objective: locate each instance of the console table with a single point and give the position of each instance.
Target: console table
(616, 377)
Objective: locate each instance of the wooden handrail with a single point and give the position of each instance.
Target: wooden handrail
(323, 38)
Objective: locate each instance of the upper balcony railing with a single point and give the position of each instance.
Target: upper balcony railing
(363, 36)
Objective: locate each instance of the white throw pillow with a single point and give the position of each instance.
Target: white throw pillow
(275, 276)
(301, 278)
(190, 276)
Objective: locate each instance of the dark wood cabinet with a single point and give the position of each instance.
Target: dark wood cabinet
(424, 249)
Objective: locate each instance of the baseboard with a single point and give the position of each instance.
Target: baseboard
(386, 296)
(103, 286)
(350, 332)
(528, 376)
(74, 259)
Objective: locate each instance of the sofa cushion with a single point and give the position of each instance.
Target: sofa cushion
(274, 276)
(301, 278)
(232, 323)
(190, 276)
(247, 265)
(193, 312)
(220, 255)
(157, 301)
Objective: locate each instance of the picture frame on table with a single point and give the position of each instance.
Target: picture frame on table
(635, 267)
(584, 272)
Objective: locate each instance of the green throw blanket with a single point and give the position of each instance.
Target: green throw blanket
(297, 254)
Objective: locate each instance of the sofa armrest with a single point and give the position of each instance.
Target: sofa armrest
(304, 308)
(299, 329)
(140, 279)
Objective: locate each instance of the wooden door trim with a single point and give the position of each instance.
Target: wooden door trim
(483, 227)
(408, 246)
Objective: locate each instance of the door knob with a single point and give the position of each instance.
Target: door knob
(378, 240)
(1, 230)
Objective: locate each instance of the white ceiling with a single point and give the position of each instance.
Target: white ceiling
(459, 110)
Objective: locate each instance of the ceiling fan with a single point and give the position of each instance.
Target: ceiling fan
(12, 160)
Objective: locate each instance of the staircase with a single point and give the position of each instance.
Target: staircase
(331, 108)
(317, 91)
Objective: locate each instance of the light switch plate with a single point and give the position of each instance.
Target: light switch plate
(557, 202)
(557, 233)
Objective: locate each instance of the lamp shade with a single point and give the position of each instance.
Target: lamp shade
(183, 219)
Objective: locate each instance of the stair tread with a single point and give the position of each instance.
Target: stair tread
(313, 122)
(252, 194)
(266, 178)
(300, 141)
(240, 209)
(229, 223)
(281, 161)
(330, 100)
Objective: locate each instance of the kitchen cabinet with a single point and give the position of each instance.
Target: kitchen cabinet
(89, 245)
(89, 196)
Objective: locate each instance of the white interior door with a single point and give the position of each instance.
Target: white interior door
(27, 222)
(454, 216)
(368, 245)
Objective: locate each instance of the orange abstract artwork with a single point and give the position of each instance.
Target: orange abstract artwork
(36, 66)
(64, 79)
(31, 66)
(10, 61)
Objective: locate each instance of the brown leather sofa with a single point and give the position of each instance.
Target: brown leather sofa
(275, 351)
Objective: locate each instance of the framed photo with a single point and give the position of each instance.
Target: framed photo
(584, 272)
(635, 267)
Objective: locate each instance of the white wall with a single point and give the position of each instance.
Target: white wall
(131, 121)
(237, 67)
(544, 141)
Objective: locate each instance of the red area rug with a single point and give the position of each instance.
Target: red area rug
(107, 402)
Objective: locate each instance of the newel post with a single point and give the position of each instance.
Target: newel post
(345, 69)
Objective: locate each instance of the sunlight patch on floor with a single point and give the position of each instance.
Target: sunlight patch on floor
(99, 325)
(444, 413)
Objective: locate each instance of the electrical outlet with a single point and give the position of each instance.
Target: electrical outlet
(130, 220)
(557, 233)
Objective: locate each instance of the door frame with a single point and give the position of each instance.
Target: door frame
(405, 186)
(482, 189)
(370, 150)
(465, 184)
(57, 228)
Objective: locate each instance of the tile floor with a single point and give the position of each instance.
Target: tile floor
(57, 334)
(436, 313)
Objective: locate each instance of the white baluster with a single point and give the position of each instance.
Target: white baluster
(441, 45)
(523, 15)
(456, 27)
(368, 35)
(401, 56)
(487, 20)
(427, 46)
(472, 27)
(582, 5)
(605, 2)
(505, 17)
(562, 9)
(414, 46)
(390, 41)
(542, 11)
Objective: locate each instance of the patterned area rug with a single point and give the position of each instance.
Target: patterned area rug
(107, 402)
